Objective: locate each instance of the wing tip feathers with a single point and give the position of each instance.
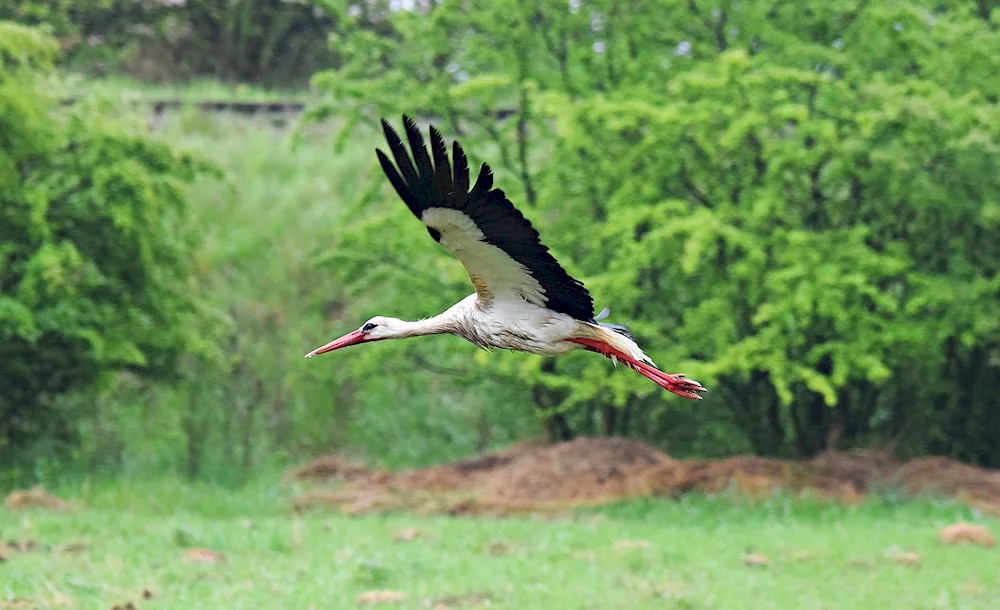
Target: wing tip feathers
(573, 296)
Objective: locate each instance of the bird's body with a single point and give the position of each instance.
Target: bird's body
(513, 324)
(524, 300)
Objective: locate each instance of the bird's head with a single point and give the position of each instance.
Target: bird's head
(375, 329)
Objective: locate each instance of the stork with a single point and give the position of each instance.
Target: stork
(523, 300)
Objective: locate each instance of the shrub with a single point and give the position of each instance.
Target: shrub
(94, 249)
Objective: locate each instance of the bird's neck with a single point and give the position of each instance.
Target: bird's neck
(437, 325)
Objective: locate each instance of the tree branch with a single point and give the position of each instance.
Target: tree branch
(851, 17)
(759, 164)
(692, 189)
(559, 51)
(505, 158)
(522, 148)
(476, 373)
(721, 43)
(693, 8)
(613, 76)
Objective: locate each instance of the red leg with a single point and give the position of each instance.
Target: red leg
(678, 384)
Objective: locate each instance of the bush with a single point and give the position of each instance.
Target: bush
(790, 202)
(94, 249)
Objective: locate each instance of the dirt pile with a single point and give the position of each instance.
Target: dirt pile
(334, 467)
(844, 476)
(535, 476)
(582, 470)
(976, 486)
(36, 497)
(469, 473)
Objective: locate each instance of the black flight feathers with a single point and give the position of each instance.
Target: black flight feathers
(423, 184)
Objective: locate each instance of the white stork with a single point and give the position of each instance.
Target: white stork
(523, 300)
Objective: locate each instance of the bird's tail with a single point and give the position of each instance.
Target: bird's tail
(618, 328)
(621, 348)
(618, 340)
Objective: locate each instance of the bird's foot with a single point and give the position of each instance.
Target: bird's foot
(682, 386)
(677, 383)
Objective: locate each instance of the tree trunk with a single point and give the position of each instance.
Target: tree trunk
(556, 428)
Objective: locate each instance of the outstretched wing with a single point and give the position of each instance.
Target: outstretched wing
(495, 242)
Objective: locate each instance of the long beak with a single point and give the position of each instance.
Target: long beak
(351, 338)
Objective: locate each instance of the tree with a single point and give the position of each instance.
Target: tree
(792, 201)
(94, 250)
(269, 41)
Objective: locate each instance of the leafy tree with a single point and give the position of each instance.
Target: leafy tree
(793, 201)
(94, 249)
(270, 41)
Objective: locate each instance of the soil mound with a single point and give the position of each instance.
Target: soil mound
(581, 470)
(335, 467)
(976, 486)
(535, 476)
(856, 468)
(749, 474)
(468, 473)
(36, 497)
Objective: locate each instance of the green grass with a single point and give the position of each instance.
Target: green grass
(822, 556)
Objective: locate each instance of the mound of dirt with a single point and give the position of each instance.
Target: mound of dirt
(36, 497)
(750, 474)
(581, 470)
(535, 476)
(334, 467)
(856, 468)
(976, 486)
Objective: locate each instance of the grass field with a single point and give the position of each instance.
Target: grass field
(127, 538)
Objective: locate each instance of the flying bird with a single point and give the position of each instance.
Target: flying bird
(523, 300)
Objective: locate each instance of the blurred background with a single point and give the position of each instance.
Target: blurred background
(796, 203)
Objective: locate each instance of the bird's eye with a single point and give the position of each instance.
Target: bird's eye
(367, 327)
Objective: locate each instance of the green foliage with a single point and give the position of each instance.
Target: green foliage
(263, 406)
(792, 203)
(270, 41)
(23, 50)
(94, 251)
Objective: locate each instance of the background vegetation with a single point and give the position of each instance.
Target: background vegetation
(94, 235)
(275, 42)
(794, 203)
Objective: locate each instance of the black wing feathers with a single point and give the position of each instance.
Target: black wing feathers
(442, 170)
(399, 153)
(484, 183)
(420, 158)
(461, 170)
(422, 185)
(397, 183)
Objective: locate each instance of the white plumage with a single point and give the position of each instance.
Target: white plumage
(497, 274)
(524, 300)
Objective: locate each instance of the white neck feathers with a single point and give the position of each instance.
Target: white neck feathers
(437, 325)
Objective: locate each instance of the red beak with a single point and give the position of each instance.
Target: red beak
(351, 338)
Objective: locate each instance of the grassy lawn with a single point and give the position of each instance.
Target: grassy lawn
(649, 554)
